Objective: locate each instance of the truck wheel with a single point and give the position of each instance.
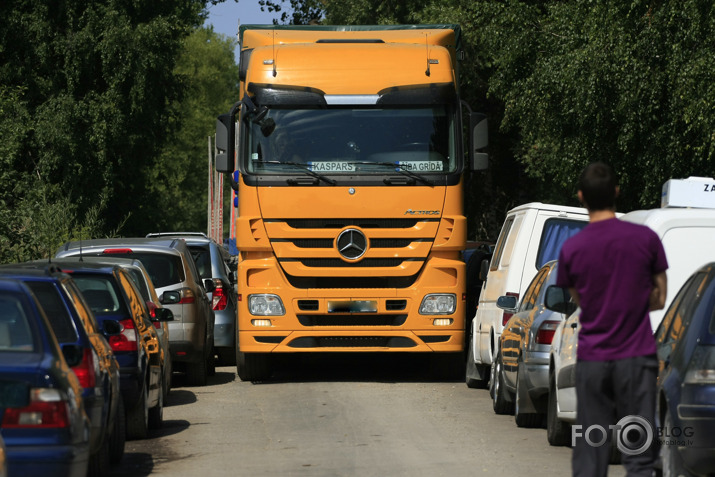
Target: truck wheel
(138, 418)
(253, 366)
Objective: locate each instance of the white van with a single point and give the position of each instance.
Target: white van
(532, 235)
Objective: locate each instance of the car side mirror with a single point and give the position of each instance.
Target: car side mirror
(73, 354)
(163, 314)
(209, 285)
(507, 302)
(170, 298)
(558, 299)
(111, 327)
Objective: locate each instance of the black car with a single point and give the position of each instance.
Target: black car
(76, 328)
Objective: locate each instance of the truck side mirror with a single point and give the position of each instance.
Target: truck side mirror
(224, 143)
(478, 139)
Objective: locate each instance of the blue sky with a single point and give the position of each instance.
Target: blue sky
(225, 16)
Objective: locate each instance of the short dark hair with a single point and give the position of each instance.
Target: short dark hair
(598, 186)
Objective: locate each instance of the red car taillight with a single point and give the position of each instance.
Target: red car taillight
(505, 317)
(220, 299)
(127, 339)
(85, 370)
(187, 296)
(545, 334)
(47, 409)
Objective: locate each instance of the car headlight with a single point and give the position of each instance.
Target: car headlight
(438, 304)
(265, 305)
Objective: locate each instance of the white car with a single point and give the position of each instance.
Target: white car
(561, 407)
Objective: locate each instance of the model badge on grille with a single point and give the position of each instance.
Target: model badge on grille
(351, 244)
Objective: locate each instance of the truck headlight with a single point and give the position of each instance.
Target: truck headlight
(265, 305)
(438, 304)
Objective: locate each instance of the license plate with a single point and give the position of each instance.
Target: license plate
(352, 306)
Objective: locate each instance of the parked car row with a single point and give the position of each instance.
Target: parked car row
(533, 370)
(88, 342)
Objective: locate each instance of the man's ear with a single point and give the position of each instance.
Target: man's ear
(618, 191)
(579, 194)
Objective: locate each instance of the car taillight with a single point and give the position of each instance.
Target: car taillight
(47, 409)
(117, 250)
(187, 296)
(505, 317)
(545, 334)
(127, 339)
(220, 299)
(85, 370)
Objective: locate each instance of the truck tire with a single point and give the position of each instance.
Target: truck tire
(253, 366)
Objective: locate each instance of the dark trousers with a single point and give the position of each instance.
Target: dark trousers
(606, 392)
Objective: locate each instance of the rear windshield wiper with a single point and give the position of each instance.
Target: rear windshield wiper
(307, 170)
(404, 170)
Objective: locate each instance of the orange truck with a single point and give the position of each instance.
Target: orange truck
(347, 146)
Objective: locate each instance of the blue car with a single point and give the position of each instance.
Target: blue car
(686, 382)
(98, 371)
(114, 299)
(42, 417)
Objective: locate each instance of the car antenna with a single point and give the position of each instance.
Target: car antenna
(80, 247)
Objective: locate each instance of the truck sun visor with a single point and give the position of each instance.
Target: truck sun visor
(280, 95)
(420, 94)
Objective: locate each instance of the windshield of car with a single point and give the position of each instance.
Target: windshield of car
(352, 140)
(60, 319)
(100, 294)
(15, 332)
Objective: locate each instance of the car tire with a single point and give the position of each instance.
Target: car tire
(528, 420)
(99, 461)
(475, 375)
(670, 458)
(253, 366)
(500, 403)
(196, 373)
(156, 413)
(558, 432)
(166, 376)
(138, 418)
(119, 435)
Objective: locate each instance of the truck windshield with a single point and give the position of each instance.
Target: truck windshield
(352, 141)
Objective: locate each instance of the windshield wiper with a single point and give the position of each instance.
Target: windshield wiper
(404, 170)
(307, 170)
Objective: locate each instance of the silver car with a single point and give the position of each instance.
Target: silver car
(520, 372)
(171, 269)
(212, 261)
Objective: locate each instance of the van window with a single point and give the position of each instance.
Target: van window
(500, 243)
(555, 233)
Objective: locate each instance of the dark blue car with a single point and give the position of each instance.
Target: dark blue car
(686, 381)
(114, 299)
(42, 417)
(98, 371)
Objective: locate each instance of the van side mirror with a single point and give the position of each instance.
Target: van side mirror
(558, 299)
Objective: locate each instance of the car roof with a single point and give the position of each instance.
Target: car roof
(35, 269)
(175, 246)
(176, 234)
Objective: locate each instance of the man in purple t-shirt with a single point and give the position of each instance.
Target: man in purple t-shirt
(615, 272)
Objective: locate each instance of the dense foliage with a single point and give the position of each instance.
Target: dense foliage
(99, 100)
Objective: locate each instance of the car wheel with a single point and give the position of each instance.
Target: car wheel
(522, 419)
(196, 373)
(557, 431)
(119, 435)
(138, 418)
(474, 374)
(497, 390)
(99, 461)
(669, 456)
(166, 376)
(253, 366)
(156, 413)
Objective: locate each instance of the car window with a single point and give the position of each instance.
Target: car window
(136, 302)
(57, 314)
(202, 259)
(532, 291)
(15, 332)
(678, 316)
(499, 250)
(164, 269)
(81, 306)
(100, 294)
(138, 278)
(555, 233)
